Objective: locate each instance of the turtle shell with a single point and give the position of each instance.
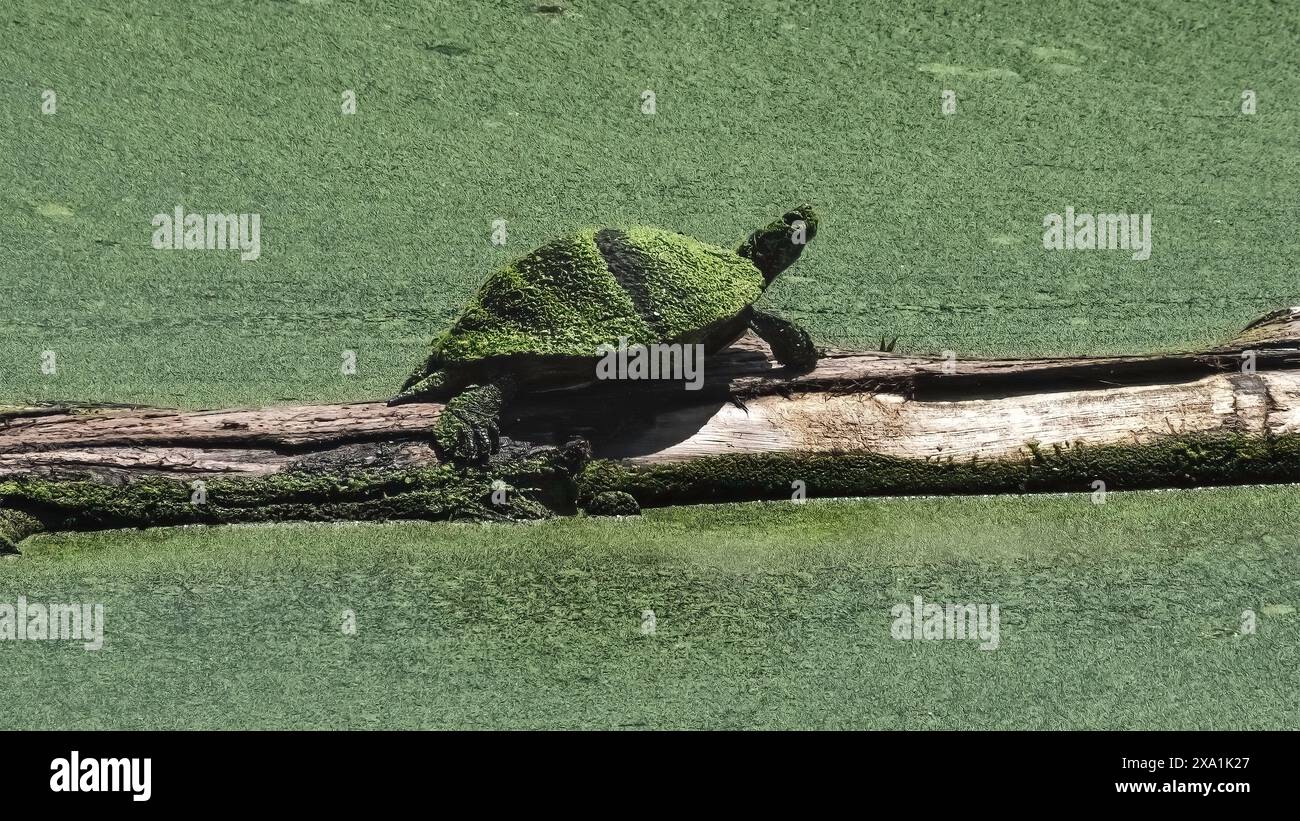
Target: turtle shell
(573, 294)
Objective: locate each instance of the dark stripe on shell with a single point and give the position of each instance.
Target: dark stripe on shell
(627, 264)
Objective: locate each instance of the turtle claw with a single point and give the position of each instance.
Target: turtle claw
(481, 439)
(469, 429)
(462, 437)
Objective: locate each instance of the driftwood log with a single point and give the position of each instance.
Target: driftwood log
(859, 424)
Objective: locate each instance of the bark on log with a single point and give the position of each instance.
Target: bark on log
(860, 423)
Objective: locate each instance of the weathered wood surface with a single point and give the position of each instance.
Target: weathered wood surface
(883, 403)
(984, 428)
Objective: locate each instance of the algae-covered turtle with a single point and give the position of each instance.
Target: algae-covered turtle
(539, 322)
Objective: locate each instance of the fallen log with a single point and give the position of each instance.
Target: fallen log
(859, 424)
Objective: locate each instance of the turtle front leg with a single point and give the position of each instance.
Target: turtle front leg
(790, 344)
(469, 428)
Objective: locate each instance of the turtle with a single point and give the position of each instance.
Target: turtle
(540, 322)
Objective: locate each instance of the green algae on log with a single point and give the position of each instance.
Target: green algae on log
(524, 487)
(858, 424)
(1173, 461)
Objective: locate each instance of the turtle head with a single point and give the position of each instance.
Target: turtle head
(775, 247)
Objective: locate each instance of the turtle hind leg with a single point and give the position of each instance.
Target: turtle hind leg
(421, 388)
(790, 344)
(469, 428)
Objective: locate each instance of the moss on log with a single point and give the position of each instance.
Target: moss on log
(1174, 461)
(528, 487)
